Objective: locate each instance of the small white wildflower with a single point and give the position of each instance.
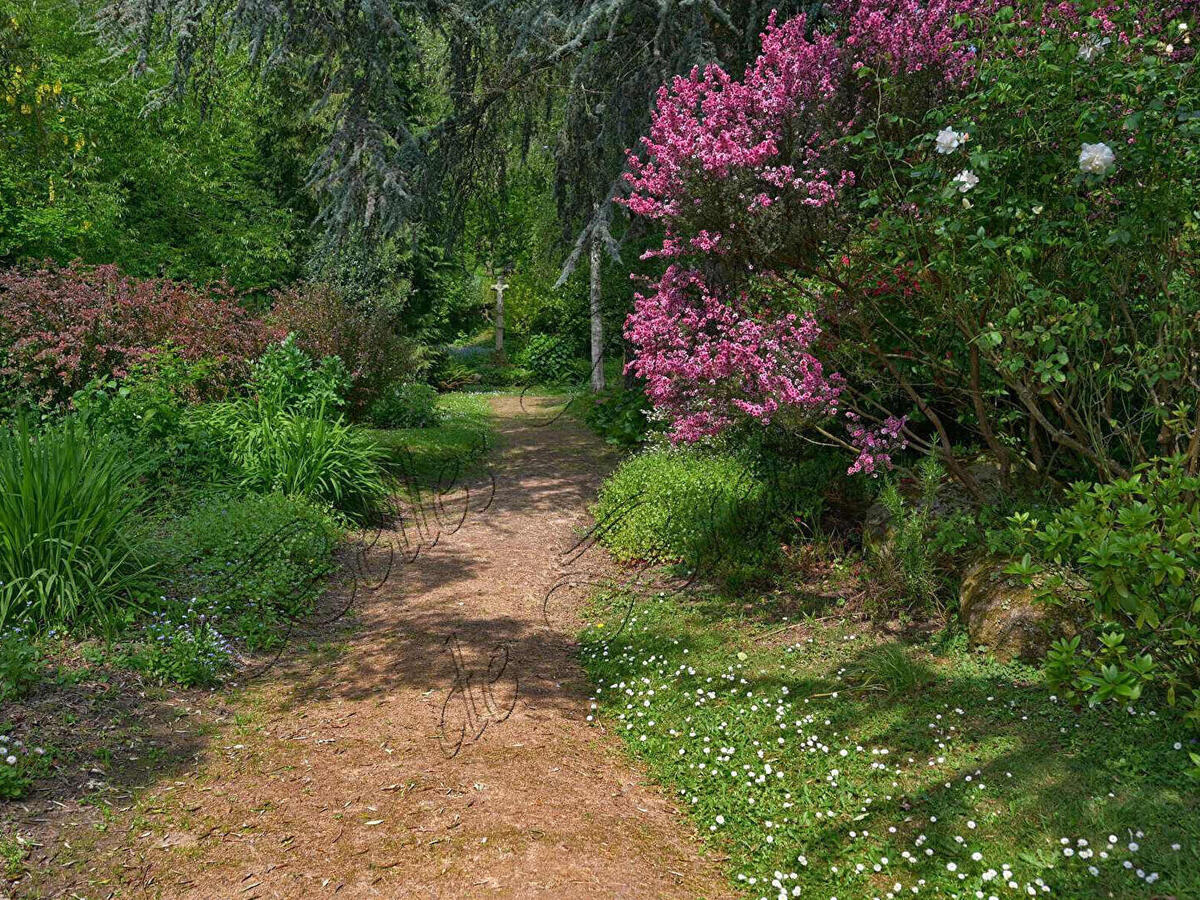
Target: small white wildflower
(949, 140)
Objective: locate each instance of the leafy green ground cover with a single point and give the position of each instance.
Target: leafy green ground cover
(828, 762)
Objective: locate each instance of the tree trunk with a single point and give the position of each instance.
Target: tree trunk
(597, 320)
(500, 322)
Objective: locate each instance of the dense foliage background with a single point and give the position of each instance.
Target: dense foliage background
(902, 290)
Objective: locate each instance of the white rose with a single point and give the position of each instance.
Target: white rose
(1096, 159)
(966, 179)
(949, 140)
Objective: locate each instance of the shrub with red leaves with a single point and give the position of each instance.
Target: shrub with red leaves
(62, 327)
(326, 323)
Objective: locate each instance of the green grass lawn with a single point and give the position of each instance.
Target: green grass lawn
(452, 449)
(828, 762)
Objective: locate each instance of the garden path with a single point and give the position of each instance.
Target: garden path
(343, 777)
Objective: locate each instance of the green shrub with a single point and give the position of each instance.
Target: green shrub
(1136, 543)
(548, 359)
(283, 437)
(704, 509)
(20, 663)
(182, 647)
(406, 405)
(286, 379)
(618, 416)
(149, 409)
(254, 561)
(313, 457)
(356, 323)
(68, 504)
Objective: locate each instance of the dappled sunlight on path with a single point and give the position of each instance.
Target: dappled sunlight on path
(442, 749)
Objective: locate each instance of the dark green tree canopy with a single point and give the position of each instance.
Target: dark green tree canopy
(423, 102)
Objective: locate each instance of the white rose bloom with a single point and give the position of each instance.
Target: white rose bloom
(1096, 159)
(949, 140)
(1091, 48)
(966, 179)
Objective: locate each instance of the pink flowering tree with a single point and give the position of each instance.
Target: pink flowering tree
(748, 178)
(974, 211)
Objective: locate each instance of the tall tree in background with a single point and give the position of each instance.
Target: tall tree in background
(580, 73)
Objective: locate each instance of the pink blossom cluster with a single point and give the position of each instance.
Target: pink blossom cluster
(875, 445)
(907, 36)
(712, 126)
(728, 159)
(705, 358)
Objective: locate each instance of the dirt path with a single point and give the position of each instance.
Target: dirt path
(342, 778)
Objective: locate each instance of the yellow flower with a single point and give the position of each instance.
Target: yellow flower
(26, 109)
(58, 87)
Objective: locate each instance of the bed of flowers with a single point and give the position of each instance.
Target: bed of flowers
(834, 763)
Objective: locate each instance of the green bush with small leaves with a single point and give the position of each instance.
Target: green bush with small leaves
(150, 409)
(257, 553)
(619, 416)
(406, 405)
(701, 508)
(1136, 543)
(548, 358)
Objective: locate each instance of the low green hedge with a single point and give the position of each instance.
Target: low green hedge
(702, 509)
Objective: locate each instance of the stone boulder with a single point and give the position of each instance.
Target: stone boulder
(1004, 614)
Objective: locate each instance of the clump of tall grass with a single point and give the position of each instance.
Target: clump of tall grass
(68, 505)
(309, 456)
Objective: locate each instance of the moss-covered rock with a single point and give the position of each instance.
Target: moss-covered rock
(1013, 619)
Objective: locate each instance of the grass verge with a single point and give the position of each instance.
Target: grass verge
(440, 454)
(829, 763)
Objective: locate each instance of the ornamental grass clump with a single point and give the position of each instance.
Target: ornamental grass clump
(67, 507)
